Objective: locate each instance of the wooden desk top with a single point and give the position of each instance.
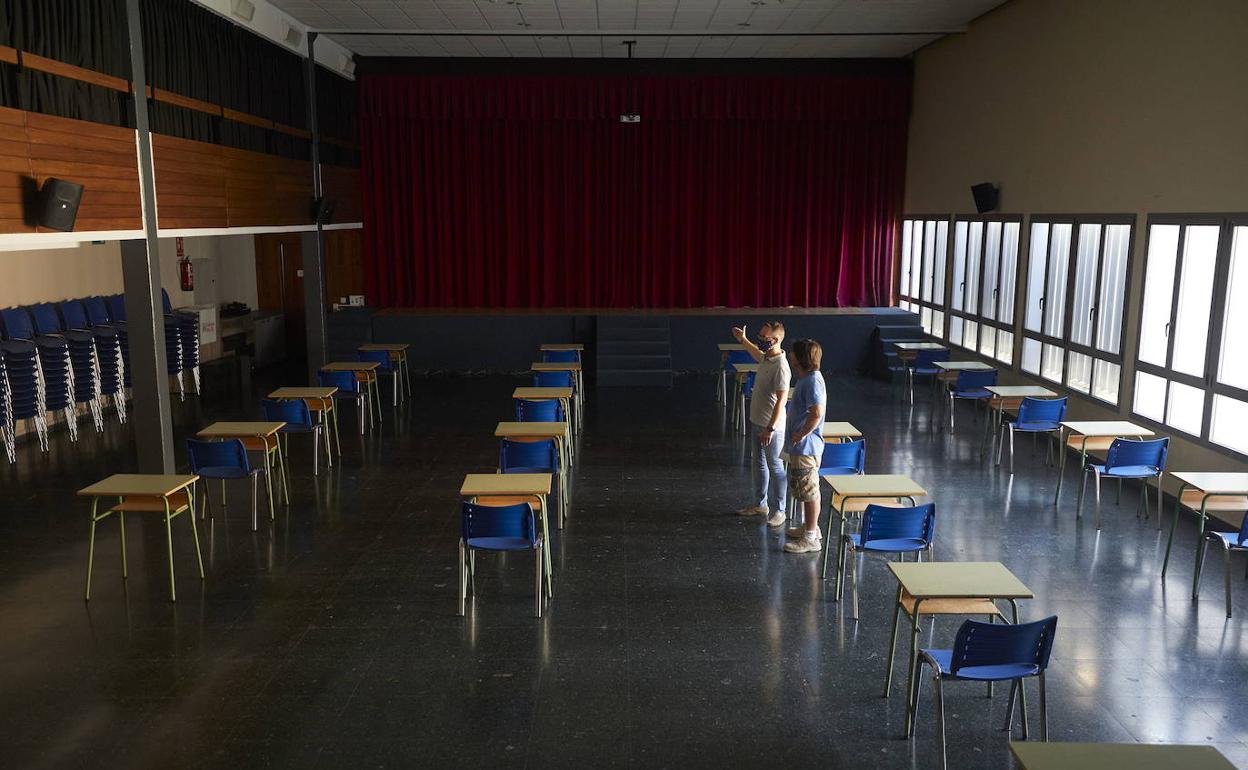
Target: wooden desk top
(532, 429)
(1106, 428)
(294, 393)
(1033, 755)
(542, 393)
(555, 366)
(918, 346)
(745, 368)
(350, 366)
(562, 346)
(485, 484)
(240, 429)
(1215, 483)
(725, 347)
(1020, 391)
(845, 429)
(959, 580)
(963, 366)
(378, 346)
(145, 484)
(875, 485)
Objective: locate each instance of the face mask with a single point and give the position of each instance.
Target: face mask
(765, 345)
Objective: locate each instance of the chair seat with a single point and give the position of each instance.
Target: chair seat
(1125, 471)
(981, 673)
(501, 543)
(927, 370)
(224, 472)
(973, 393)
(888, 545)
(1229, 540)
(1037, 427)
(838, 471)
(522, 469)
(294, 427)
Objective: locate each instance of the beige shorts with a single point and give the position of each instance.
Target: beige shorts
(804, 477)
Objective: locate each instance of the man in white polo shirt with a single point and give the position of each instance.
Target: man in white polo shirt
(767, 412)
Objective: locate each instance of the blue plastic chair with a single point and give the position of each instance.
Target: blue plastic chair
(726, 371)
(991, 652)
(528, 456)
(501, 529)
(224, 461)
(892, 531)
(538, 411)
(845, 459)
(922, 365)
(106, 351)
(1230, 541)
(7, 433)
(970, 386)
(298, 419)
(745, 392)
(387, 365)
(1128, 460)
(1035, 416)
(561, 356)
(349, 389)
(552, 380)
(101, 318)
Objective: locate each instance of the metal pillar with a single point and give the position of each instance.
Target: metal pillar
(140, 271)
(314, 241)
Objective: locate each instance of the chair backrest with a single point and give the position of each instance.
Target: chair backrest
(915, 523)
(561, 356)
(538, 411)
(971, 379)
(45, 318)
(538, 456)
(498, 521)
(117, 307)
(17, 325)
(1000, 644)
(552, 379)
(1243, 531)
(380, 356)
(165, 303)
(217, 454)
(748, 387)
(290, 411)
(74, 314)
(925, 358)
(97, 311)
(1150, 454)
(738, 357)
(847, 458)
(1042, 410)
(345, 382)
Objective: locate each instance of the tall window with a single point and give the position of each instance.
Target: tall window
(1191, 369)
(1076, 288)
(981, 302)
(924, 243)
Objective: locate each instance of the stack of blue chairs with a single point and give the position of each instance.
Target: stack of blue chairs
(69, 363)
(91, 316)
(7, 435)
(181, 344)
(21, 362)
(116, 317)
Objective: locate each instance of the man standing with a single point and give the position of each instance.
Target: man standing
(767, 412)
(806, 443)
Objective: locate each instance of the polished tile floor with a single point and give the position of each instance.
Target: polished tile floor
(679, 635)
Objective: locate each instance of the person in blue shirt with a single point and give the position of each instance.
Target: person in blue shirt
(805, 442)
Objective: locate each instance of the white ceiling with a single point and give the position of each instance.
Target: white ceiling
(732, 28)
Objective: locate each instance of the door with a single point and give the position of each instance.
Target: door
(279, 285)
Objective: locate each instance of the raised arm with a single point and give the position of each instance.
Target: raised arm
(738, 333)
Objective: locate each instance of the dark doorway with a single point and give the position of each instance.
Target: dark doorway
(279, 285)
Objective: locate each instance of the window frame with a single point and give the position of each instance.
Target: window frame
(1208, 384)
(1076, 221)
(977, 317)
(927, 278)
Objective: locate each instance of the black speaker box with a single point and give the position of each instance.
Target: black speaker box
(57, 206)
(986, 195)
(323, 210)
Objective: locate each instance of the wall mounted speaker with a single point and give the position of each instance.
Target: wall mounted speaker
(243, 9)
(291, 35)
(57, 205)
(987, 195)
(323, 210)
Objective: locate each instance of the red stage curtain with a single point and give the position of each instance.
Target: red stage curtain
(530, 192)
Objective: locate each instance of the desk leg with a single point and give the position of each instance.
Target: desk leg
(840, 549)
(892, 643)
(281, 466)
(199, 557)
(1022, 691)
(912, 680)
(95, 504)
(1061, 464)
(407, 375)
(173, 587)
(823, 572)
(1178, 505)
(1083, 480)
(1200, 548)
(550, 590)
(333, 415)
(268, 486)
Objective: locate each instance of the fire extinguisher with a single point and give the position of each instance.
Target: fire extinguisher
(187, 274)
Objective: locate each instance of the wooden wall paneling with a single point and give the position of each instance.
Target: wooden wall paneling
(342, 184)
(344, 264)
(101, 158)
(267, 190)
(190, 183)
(15, 171)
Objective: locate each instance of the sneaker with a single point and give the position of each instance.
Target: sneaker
(797, 533)
(752, 510)
(802, 545)
(777, 519)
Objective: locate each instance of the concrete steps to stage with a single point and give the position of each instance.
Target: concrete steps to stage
(634, 351)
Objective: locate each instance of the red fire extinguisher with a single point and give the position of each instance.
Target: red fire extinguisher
(186, 274)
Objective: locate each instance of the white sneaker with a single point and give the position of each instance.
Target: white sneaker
(802, 545)
(797, 533)
(777, 519)
(752, 510)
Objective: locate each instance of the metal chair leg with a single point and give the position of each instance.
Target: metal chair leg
(537, 585)
(1083, 485)
(463, 578)
(1200, 567)
(1044, 710)
(1226, 560)
(939, 687)
(1098, 497)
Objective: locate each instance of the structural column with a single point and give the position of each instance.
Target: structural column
(140, 269)
(314, 241)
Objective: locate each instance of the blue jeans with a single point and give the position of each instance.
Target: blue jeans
(771, 479)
